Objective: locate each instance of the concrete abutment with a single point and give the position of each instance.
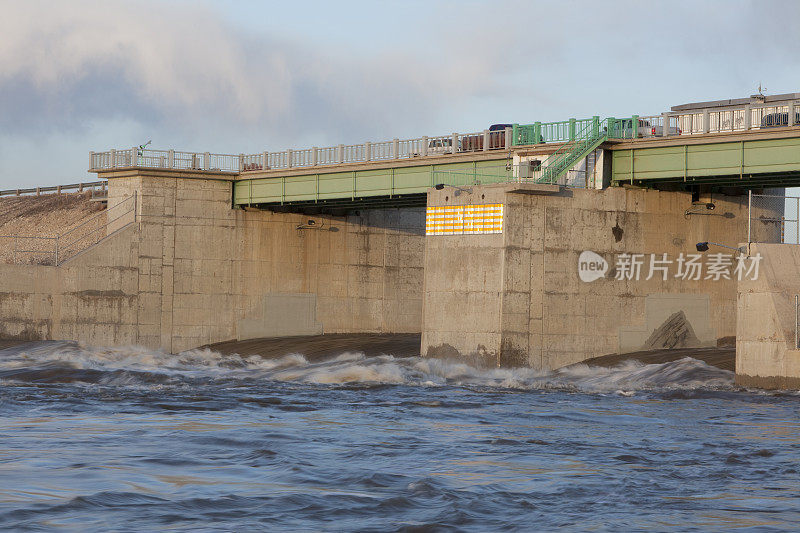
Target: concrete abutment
(516, 299)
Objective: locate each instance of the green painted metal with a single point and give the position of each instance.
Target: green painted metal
(736, 162)
(548, 132)
(569, 153)
(360, 184)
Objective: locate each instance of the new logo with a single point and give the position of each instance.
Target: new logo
(591, 266)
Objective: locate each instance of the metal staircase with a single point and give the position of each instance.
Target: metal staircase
(585, 141)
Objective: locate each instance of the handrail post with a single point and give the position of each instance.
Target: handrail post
(314, 157)
(665, 124)
(424, 148)
(706, 121)
(509, 138)
(635, 127)
(113, 154)
(171, 158)
(749, 215)
(455, 143)
(135, 156)
(790, 118)
(572, 129)
(595, 126)
(748, 117)
(537, 133)
(396, 148)
(485, 140)
(367, 151)
(340, 153)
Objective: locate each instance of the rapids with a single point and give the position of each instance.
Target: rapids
(128, 438)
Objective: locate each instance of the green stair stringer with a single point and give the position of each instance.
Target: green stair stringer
(592, 135)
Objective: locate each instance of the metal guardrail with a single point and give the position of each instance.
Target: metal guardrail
(54, 251)
(332, 155)
(170, 159)
(57, 189)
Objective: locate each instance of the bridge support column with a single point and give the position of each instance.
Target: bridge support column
(515, 296)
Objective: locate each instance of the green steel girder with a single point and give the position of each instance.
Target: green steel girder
(744, 163)
(357, 186)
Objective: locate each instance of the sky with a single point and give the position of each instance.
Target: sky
(232, 76)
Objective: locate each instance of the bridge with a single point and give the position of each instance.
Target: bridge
(747, 143)
(197, 248)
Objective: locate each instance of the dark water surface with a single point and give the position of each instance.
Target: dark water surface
(130, 439)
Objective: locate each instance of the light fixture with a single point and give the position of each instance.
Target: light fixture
(703, 247)
(697, 209)
(310, 224)
(440, 186)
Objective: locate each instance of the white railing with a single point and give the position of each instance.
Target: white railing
(54, 251)
(310, 157)
(166, 159)
(745, 118)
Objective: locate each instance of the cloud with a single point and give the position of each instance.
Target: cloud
(178, 67)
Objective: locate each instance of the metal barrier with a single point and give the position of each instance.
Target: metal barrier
(57, 189)
(310, 157)
(165, 159)
(54, 251)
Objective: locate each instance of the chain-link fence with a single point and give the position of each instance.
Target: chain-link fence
(774, 218)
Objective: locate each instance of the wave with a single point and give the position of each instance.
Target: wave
(69, 362)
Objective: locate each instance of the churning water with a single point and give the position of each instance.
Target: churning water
(131, 439)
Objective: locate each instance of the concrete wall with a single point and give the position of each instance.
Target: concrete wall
(516, 298)
(194, 271)
(766, 355)
(92, 298)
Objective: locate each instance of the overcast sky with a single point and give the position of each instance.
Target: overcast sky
(248, 76)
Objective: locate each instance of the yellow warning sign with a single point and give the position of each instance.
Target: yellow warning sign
(464, 219)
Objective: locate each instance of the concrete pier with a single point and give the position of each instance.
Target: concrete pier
(193, 271)
(767, 354)
(516, 299)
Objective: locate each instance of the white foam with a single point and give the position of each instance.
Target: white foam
(354, 367)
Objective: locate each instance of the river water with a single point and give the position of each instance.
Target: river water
(131, 439)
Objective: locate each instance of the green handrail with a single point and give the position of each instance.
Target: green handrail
(587, 138)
